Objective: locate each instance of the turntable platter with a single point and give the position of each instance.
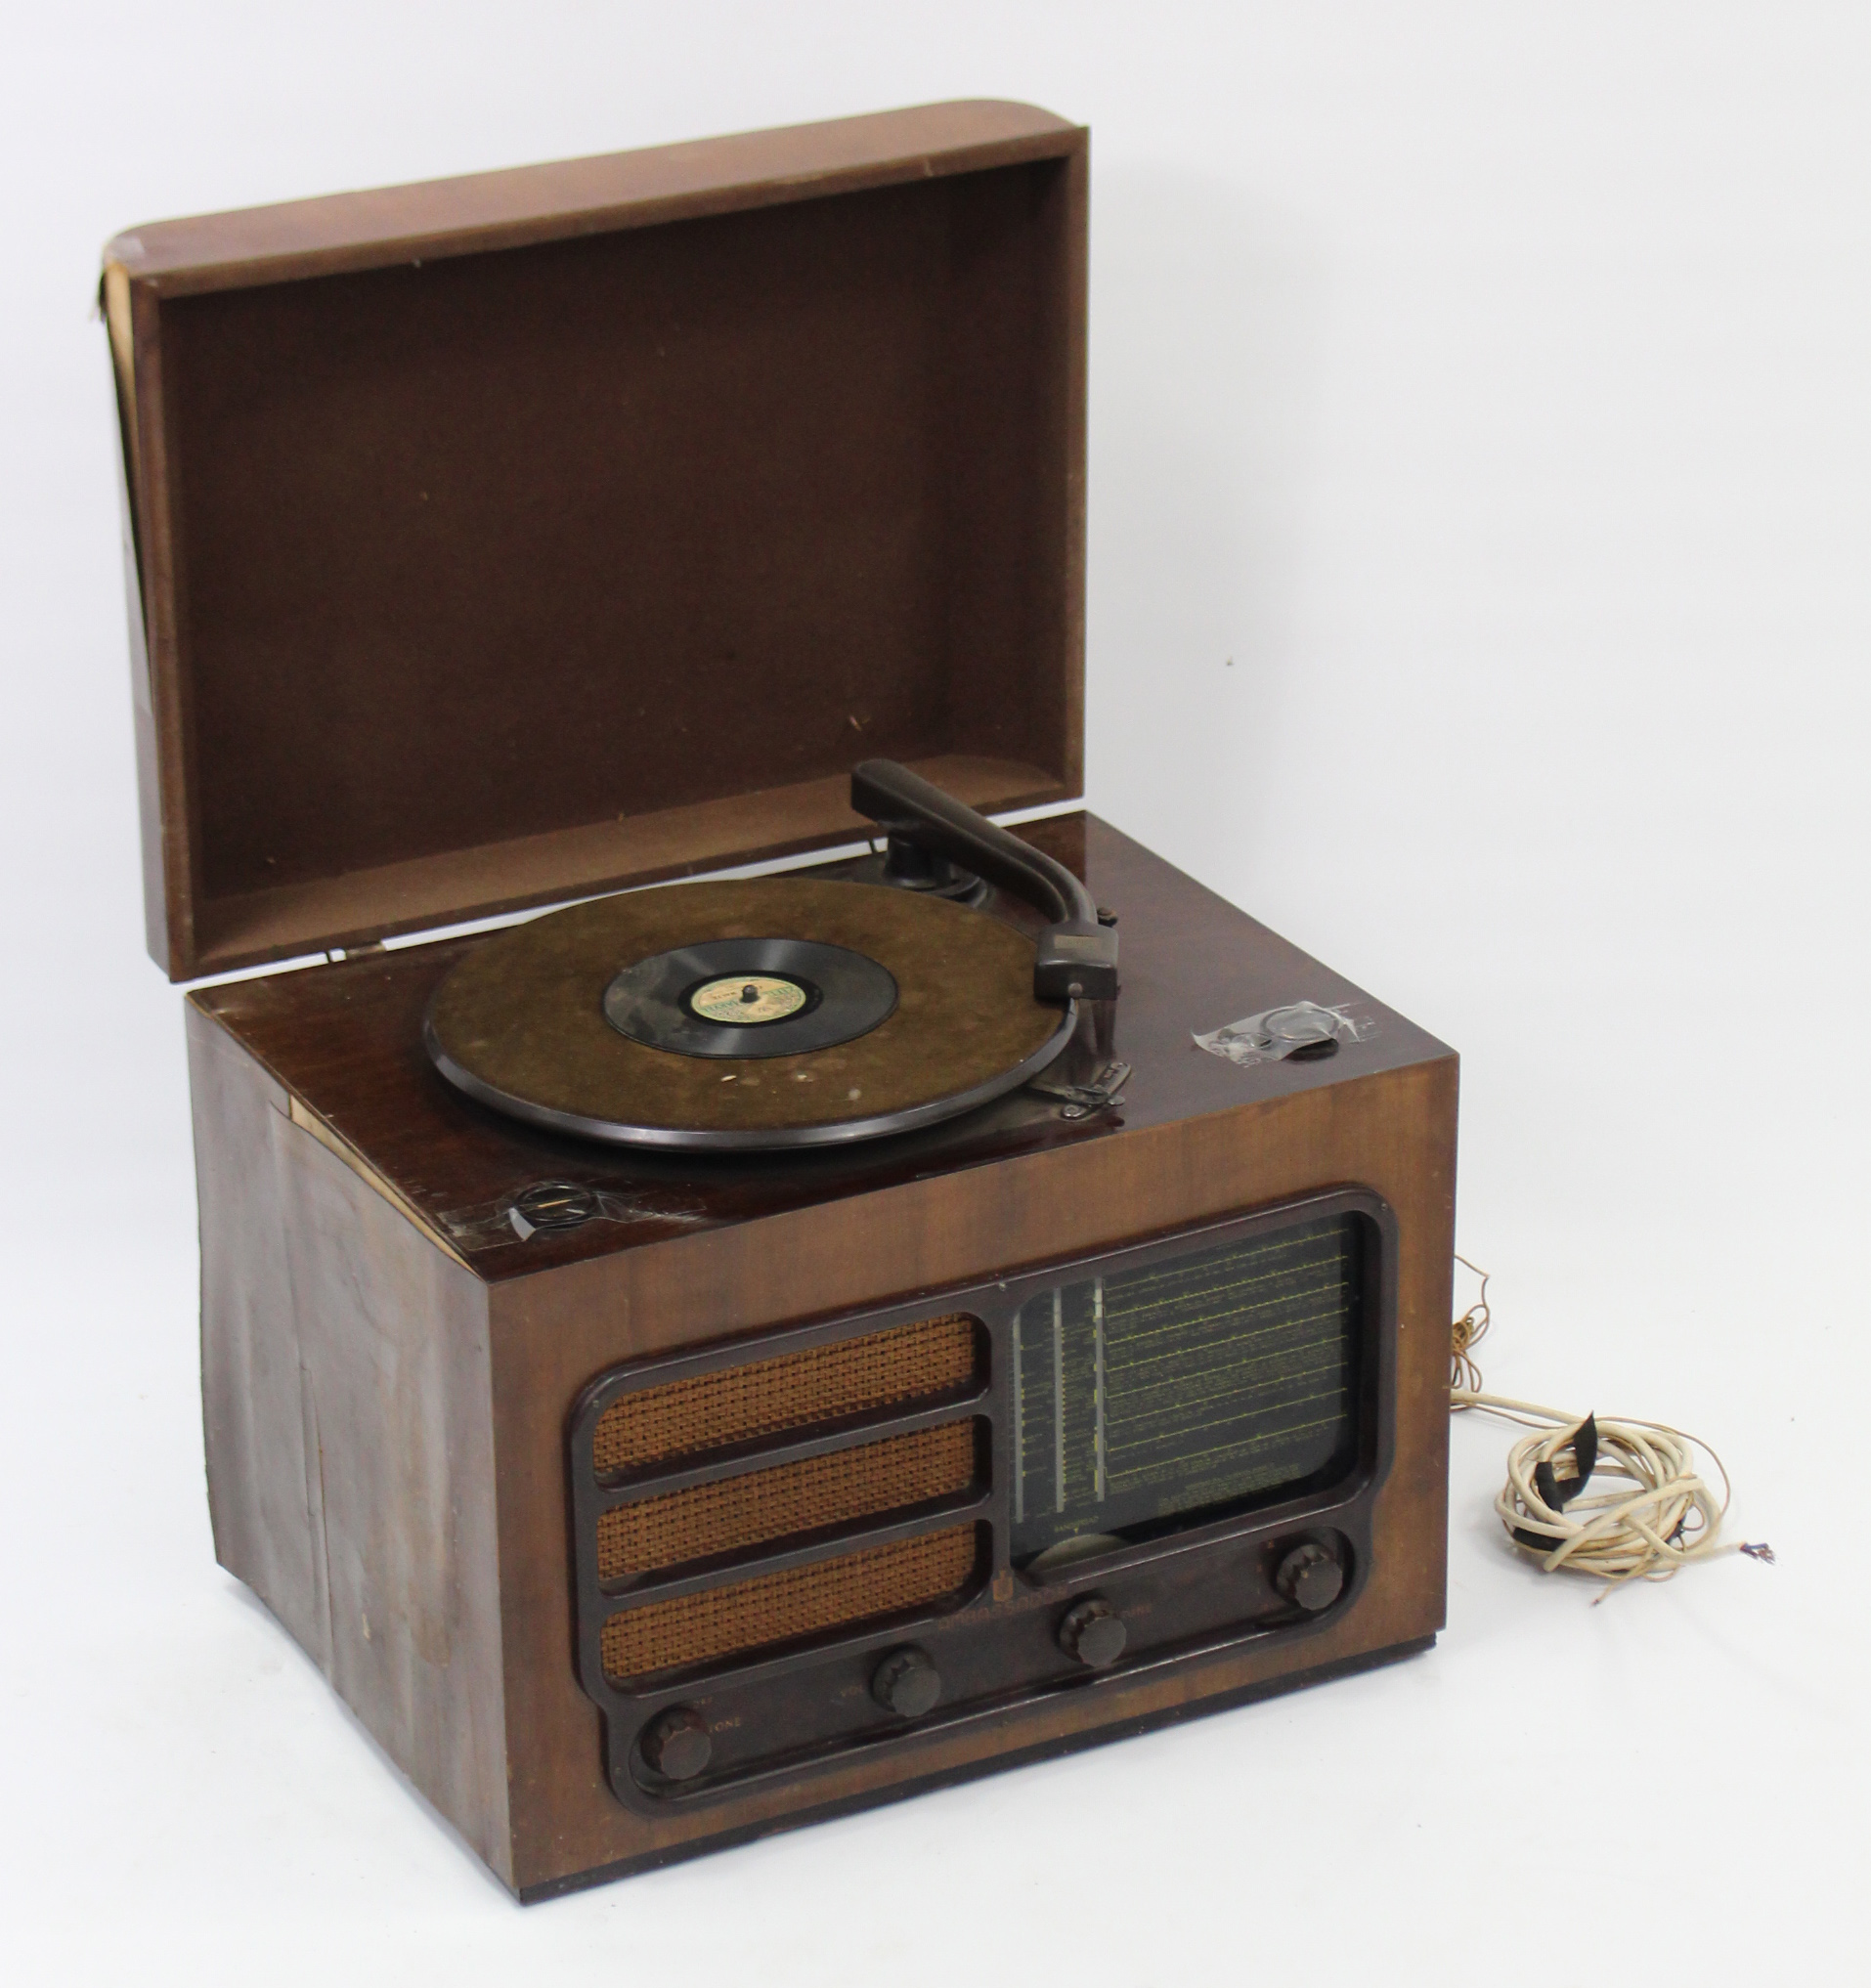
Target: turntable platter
(765, 1013)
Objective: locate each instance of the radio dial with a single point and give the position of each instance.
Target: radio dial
(676, 1744)
(1311, 1578)
(1094, 1633)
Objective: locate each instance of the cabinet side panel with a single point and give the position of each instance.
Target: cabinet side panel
(156, 906)
(1413, 1533)
(263, 1507)
(393, 1347)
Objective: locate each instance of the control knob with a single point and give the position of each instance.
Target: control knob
(676, 1744)
(1094, 1633)
(1311, 1578)
(906, 1683)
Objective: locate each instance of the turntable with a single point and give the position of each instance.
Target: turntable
(770, 1014)
(737, 1287)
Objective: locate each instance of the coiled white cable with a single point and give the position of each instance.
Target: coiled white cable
(1669, 1515)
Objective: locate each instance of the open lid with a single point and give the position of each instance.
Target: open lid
(514, 537)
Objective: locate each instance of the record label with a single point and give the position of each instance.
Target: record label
(746, 999)
(749, 997)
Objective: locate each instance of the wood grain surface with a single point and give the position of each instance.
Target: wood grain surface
(481, 211)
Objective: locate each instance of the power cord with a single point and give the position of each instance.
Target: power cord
(1666, 1518)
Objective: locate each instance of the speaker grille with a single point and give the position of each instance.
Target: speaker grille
(798, 1601)
(656, 1532)
(768, 1396)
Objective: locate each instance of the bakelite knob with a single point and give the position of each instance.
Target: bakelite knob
(1094, 1633)
(906, 1683)
(676, 1744)
(1311, 1578)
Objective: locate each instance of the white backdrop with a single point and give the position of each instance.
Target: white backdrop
(1480, 424)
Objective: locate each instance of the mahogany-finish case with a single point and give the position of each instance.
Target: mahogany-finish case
(504, 541)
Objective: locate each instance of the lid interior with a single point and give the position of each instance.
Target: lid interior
(519, 574)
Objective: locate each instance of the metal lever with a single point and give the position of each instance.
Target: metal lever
(1077, 957)
(1080, 1101)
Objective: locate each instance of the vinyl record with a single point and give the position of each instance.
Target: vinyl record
(750, 997)
(769, 1012)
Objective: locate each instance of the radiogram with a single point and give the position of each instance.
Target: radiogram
(539, 538)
